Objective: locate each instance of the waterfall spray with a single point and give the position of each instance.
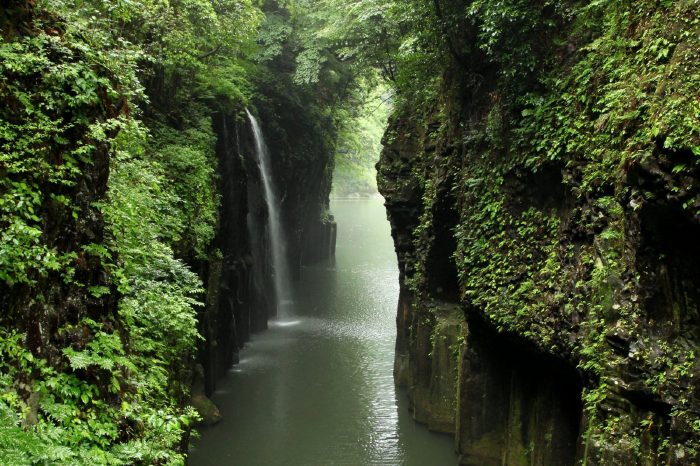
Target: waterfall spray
(275, 228)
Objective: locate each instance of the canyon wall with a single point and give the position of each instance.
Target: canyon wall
(132, 222)
(240, 293)
(543, 197)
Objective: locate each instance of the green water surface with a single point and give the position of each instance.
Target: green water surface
(317, 389)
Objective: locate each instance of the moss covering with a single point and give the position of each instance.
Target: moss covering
(559, 159)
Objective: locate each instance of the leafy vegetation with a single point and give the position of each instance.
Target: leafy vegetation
(99, 330)
(563, 128)
(553, 130)
(358, 148)
(109, 201)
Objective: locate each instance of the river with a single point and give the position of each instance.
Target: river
(317, 389)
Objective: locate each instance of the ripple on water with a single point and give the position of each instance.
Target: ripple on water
(317, 389)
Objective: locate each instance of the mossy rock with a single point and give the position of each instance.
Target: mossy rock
(206, 409)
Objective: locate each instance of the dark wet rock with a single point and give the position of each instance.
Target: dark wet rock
(206, 409)
(239, 298)
(515, 394)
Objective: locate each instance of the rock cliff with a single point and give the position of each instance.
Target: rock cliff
(546, 229)
(240, 296)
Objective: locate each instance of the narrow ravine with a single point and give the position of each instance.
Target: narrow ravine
(168, 263)
(317, 388)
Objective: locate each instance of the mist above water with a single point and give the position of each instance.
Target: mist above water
(317, 389)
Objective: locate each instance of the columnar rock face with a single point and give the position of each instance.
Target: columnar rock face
(240, 296)
(505, 402)
(509, 400)
(549, 304)
(302, 160)
(237, 302)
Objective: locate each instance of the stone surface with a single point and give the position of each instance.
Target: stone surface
(509, 397)
(239, 299)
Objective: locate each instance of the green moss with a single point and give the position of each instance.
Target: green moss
(613, 95)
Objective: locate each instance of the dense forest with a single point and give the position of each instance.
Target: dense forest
(540, 163)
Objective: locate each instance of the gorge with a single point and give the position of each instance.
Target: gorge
(172, 260)
(316, 388)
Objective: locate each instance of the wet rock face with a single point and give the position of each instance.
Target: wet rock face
(207, 410)
(462, 376)
(239, 301)
(402, 196)
(603, 377)
(302, 164)
(516, 406)
(50, 298)
(401, 191)
(239, 298)
(222, 319)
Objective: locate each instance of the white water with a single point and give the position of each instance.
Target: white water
(277, 242)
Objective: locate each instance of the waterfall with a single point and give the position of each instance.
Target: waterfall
(277, 240)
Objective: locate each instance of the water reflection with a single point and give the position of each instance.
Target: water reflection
(317, 389)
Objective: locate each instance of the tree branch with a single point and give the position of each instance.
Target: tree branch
(211, 52)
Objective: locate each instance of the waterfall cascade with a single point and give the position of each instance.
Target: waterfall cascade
(280, 266)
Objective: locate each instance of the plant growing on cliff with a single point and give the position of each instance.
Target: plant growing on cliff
(605, 96)
(97, 334)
